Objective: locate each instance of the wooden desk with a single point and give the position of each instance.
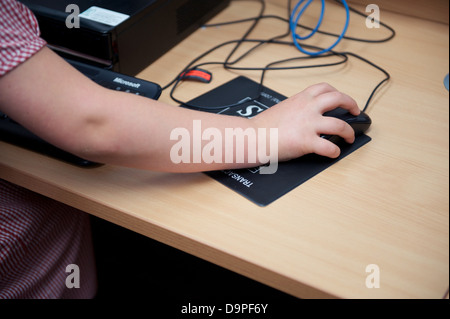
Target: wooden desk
(386, 204)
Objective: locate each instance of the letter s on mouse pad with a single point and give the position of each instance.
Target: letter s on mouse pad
(263, 189)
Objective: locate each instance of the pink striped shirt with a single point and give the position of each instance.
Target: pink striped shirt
(19, 34)
(39, 237)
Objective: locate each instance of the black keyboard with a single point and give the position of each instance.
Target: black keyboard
(12, 132)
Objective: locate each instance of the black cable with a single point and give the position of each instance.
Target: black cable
(391, 36)
(269, 67)
(238, 42)
(226, 63)
(388, 76)
(229, 65)
(393, 33)
(247, 33)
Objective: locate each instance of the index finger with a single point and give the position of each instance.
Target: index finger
(331, 100)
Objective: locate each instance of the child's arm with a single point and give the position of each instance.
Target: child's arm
(52, 99)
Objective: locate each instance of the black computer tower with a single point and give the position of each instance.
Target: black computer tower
(134, 34)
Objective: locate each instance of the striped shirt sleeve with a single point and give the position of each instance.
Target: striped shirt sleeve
(19, 35)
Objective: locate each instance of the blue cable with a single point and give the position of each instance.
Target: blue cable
(294, 19)
(301, 13)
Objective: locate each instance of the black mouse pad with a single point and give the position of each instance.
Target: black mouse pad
(263, 189)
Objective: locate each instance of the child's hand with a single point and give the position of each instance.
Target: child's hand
(300, 122)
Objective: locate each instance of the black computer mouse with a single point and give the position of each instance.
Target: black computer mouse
(360, 123)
